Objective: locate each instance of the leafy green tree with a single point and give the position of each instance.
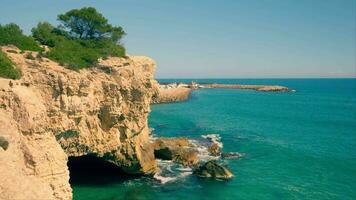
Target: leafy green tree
(83, 37)
(43, 33)
(87, 23)
(12, 34)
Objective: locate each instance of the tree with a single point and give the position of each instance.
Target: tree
(43, 33)
(83, 37)
(87, 23)
(12, 34)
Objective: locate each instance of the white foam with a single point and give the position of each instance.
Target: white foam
(184, 169)
(185, 174)
(164, 179)
(214, 138)
(203, 153)
(170, 171)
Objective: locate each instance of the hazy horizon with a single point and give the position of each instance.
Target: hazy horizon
(233, 39)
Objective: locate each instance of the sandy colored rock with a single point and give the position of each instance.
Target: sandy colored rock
(53, 112)
(176, 149)
(171, 94)
(214, 149)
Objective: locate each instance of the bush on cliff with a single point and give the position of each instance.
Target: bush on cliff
(83, 37)
(73, 55)
(12, 34)
(7, 69)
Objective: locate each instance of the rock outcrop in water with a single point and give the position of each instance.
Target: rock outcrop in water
(172, 93)
(176, 149)
(214, 149)
(53, 112)
(212, 169)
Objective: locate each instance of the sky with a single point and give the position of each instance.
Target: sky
(221, 38)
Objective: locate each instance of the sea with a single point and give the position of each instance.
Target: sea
(295, 145)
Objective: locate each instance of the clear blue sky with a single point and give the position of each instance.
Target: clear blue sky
(222, 38)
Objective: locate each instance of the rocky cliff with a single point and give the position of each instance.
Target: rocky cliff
(53, 112)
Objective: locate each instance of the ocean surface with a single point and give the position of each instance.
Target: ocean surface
(299, 145)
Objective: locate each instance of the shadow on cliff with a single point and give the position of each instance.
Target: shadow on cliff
(93, 171)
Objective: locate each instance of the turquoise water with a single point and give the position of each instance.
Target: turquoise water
(298, 145)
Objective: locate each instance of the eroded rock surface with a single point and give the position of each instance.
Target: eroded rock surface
(176, 149)
(172, 93)
(214, 149)
(213, 169)
(53, 112)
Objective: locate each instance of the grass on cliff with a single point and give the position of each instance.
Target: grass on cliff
(7, 68)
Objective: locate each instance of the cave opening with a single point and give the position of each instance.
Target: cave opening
(92, 170)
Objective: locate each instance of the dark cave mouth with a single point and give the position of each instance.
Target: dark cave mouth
(93, 170)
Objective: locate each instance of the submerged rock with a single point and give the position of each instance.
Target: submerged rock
(229, 155)
(176, 149)
(212, 169)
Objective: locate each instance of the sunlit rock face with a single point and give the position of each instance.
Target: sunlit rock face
(53, 112)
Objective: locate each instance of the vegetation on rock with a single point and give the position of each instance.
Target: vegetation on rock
(12, 34)
(87, 23)
(7, 68)
(83, 37)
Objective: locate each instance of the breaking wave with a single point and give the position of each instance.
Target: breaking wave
(169, 171)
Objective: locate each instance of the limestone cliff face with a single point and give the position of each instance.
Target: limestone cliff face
(53, 112)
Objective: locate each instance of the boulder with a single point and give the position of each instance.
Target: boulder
(214, 149)
(176, 149)
(212, 169)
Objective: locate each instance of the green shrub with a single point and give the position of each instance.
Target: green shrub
(83, 36)
(12, 34)
(105, 47)
(72, 54)
(75, 53)
(7, 69)
(30, 56)
(47, 34)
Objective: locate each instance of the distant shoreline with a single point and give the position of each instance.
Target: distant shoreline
(174, 92)
(301, 78)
